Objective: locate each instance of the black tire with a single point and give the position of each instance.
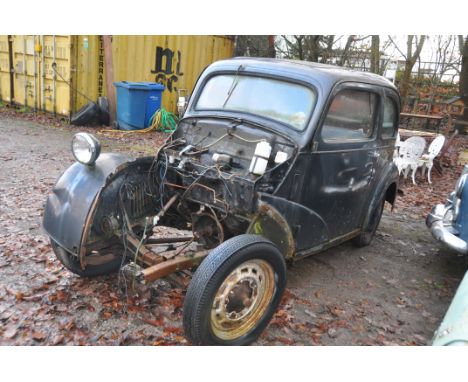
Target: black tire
(209, 277)
(103, 104)
(85, 115)
(72, 263)
(365, 237)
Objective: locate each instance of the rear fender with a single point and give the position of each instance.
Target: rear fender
(386, 188)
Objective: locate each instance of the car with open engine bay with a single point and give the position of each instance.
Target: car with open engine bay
(272, 161)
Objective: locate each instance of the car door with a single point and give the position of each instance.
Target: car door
(343, 157)
(388, 129)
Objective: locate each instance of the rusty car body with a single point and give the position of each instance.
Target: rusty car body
(272, 161)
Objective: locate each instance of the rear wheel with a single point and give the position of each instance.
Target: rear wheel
(365, 237)
(72, 263)
(235, 292)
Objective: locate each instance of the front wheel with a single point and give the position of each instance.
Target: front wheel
(72, 263)
(235, 292)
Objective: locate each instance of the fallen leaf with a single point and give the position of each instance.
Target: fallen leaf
(107, 315)
(284, 340)
(19, 296)
(57, 339)
(157, 322)
(173, 330)
(10, 333)
(39, 336)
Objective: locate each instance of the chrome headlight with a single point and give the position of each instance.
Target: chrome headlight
(460, 184)
(85, 148)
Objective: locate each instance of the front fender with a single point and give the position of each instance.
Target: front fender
(73, 196)
(307, 227)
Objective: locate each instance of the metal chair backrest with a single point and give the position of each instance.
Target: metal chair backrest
(435, 146)
(414, 147)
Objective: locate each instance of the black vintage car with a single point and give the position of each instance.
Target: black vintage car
(273, 161)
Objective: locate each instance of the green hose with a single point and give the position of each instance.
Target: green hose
(164, 120)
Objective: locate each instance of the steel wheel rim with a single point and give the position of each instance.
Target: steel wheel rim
(242, 299)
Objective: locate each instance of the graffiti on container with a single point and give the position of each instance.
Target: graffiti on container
(167, 71)
(101, 66)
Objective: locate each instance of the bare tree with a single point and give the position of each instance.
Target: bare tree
(384, 60)
(328, 51)
(294, 47)
(254, 46)
(410, 59)
(344, 54)
(315, 48)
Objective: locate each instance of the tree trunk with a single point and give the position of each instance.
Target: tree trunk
(463, 84)
(300, 50)
(328, 50)
(344, 55)
(271, 46)
(375, 54)
(410, 60)
(313, 47)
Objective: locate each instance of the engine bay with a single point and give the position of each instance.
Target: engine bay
(222, 161)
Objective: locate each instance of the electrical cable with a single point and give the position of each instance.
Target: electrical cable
(143, 237)
(54, 68)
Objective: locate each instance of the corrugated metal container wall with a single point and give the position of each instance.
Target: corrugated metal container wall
(36, 85)
(25, 74)
(55, 91)
(175, 61)
(5, 84)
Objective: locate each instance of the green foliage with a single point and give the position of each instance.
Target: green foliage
(24, 109)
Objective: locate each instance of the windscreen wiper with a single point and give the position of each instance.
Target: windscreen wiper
(233, 85)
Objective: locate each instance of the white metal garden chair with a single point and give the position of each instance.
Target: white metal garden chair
(409, 153)
(427, 160)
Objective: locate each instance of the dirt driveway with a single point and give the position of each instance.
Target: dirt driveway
(395, 291)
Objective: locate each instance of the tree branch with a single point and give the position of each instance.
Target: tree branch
(396, 46)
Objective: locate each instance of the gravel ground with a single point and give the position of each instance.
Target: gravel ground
(394, 292)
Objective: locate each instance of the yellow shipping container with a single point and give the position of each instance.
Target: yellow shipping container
(5, 79)
(79, 74)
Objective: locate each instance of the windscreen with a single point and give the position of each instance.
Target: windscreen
(279, 100)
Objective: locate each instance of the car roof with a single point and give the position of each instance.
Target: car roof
(321, 72)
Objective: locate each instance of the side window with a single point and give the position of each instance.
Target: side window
(350, 116)
(390, 118)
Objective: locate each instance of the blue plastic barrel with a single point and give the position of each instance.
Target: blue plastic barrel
(136, 103)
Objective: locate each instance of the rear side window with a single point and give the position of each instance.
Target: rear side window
(350, 116)
(390, 119)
